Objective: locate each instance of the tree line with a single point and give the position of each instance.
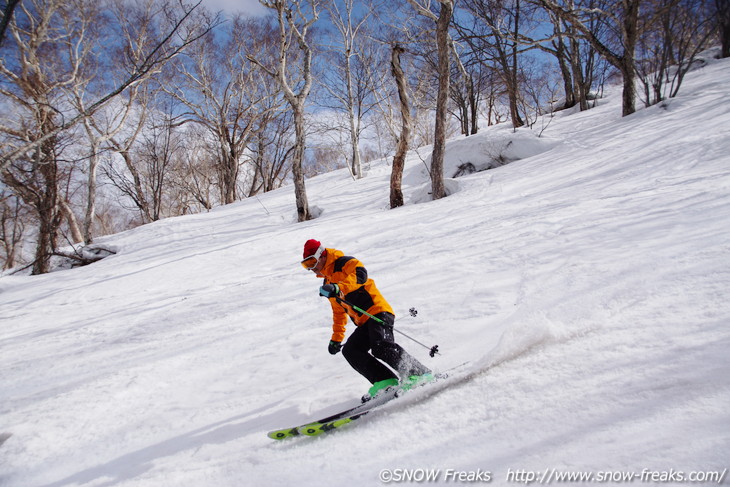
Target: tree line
(117, 113)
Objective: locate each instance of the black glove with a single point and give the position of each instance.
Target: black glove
(329, 290)
(334, 347)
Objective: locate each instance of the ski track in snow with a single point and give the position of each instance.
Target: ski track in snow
(584, 284)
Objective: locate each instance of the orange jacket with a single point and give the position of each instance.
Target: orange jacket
(355, 287)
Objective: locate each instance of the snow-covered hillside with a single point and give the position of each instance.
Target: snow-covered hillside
(585, 286)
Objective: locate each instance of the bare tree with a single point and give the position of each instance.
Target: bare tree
(150, 152)
(12, 229)
(396, 176)
(223, 92)
(159, 147)
(122, 144)
(271, 152)
(443, 45)
(579, 63)
(623, 17)
(722, 8)
(101, 132)
(493, 39)
(466, 93)
(142, 107)
(194, 178)
(48, 51)
(463, 83)
(51, 44)
(397, 25)
(295, 18)
(351, 83)
(177, 33)
(386, 123)
(672, 34)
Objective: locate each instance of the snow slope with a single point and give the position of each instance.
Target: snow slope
(584, 285)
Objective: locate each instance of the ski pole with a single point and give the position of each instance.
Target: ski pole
(432, 350)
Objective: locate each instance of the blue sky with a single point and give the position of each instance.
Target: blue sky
(247, 7)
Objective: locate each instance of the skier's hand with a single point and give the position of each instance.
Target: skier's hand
(334, 347)
(329, 290)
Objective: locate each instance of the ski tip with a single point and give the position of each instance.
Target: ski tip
(316, 429)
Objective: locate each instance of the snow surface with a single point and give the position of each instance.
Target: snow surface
(585, 285)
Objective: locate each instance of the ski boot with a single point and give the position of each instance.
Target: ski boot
(379, 388)
(414, 381)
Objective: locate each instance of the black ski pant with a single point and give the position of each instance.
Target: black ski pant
(378, 338)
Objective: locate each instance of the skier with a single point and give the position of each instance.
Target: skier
(346, 279)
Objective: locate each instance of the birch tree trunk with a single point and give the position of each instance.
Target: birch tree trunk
(442, 43)
(442, 97)
(396, 177)
(300, 192)
(91, 196)
(291, 31)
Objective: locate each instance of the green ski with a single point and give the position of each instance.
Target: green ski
(324, 425)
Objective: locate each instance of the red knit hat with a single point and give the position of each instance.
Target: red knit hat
(311, 247)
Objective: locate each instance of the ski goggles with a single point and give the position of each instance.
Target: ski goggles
(311, 261)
